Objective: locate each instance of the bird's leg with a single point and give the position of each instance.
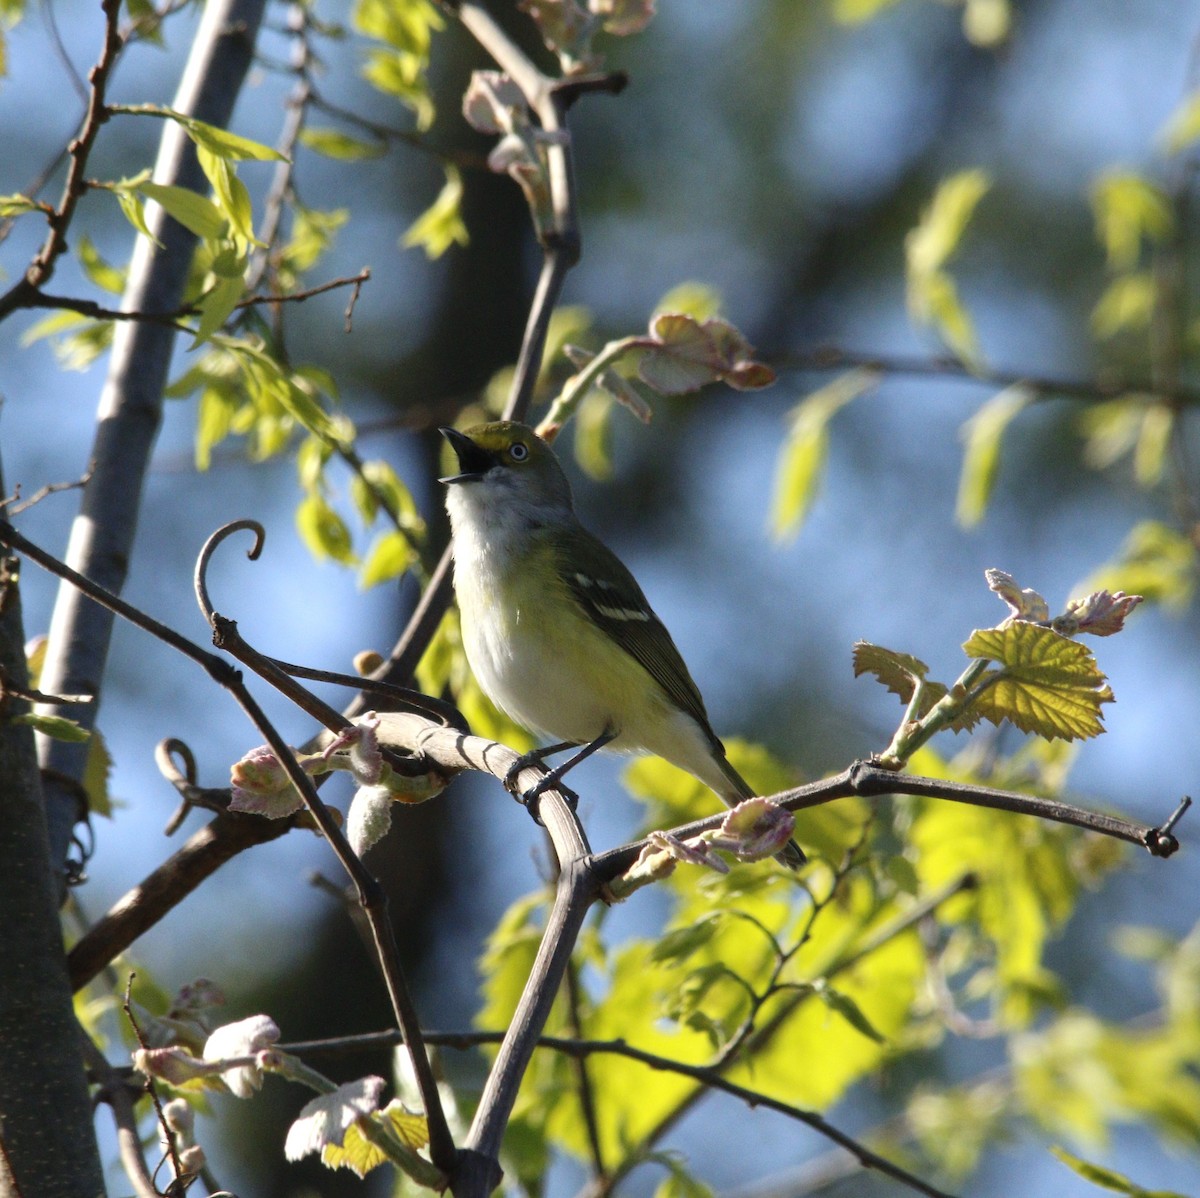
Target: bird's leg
(533, 757)
(555, 776)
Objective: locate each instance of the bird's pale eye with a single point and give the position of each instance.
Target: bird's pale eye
(518, 451)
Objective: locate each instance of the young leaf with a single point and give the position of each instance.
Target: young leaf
(1107, 1179)
(802, 456)
(983, 434)
(1128, 209)
(323, 530)
(327, 1118)
(850, 1011)
(216, 306)
(1183, 125)
(1048, 684)
(388, 558)
(332, 143)
(441, 225)
(1156, 562)
(105, 276)
(1126, 305)
(900, 672)
(222, 143)
(193, 211)
(15, 205)
(55, 726)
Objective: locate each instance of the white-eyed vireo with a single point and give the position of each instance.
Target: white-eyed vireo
(556, 629)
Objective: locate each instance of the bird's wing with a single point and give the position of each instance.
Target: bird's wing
(612, 598)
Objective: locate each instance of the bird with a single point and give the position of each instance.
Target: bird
(557, 631)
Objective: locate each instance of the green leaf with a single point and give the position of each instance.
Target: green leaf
(323, 530)
(1153, 444)
(855, 12)
(680, 943)
(332, 143)
(216, 306)
(441, 225)
(96, 772)
(135, 212)
(16, 205)
(1156, 562)
(1183, 125)
(697, 300)
(932, 243)
(899, 672)
(1129, 209)
(193, 211)
(55, 726)
(1107, 1179)
(1126, 305)
(388, 558)
(232, 198)
(932, 294)
(222, 143)
(107, 277)
(805, 447)
(987, 23)
(1047, 684)
(984, 434)
(850, 1011)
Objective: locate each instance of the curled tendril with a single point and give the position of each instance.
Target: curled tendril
(210, 547)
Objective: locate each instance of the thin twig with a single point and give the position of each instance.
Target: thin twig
(80, 149)
(113, 1089)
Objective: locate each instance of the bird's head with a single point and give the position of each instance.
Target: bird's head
(510, 463)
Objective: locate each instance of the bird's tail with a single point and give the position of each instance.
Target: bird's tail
(792, 855)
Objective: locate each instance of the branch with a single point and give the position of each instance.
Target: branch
(580, 1049)
(868, 781)
(79, 151)
(102, 537)
(831, 357)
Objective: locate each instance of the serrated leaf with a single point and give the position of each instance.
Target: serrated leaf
(323, 530)
(1047, 684)
(197, 214)
(899, 672)
(360, 1155)
(55, 726)
(802, 455)
(441, 225)
(984, 435)
(95, 776)
(332, 143)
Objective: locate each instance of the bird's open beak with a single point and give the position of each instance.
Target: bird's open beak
(473, 460)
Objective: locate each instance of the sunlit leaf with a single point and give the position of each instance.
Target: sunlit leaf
(1107, 1179)
(1183, 126)
(57, 727)
(802, 455)
(197, 214)
(323, 530)
(1126, 305)
(1156, 562)
(984, 434)
(388, 558)
(987, 23)
(16, 205)
(441, 225)
(1128, 210)
(931, 244)
(333, 143)
(105, 276)
(1049, 684)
